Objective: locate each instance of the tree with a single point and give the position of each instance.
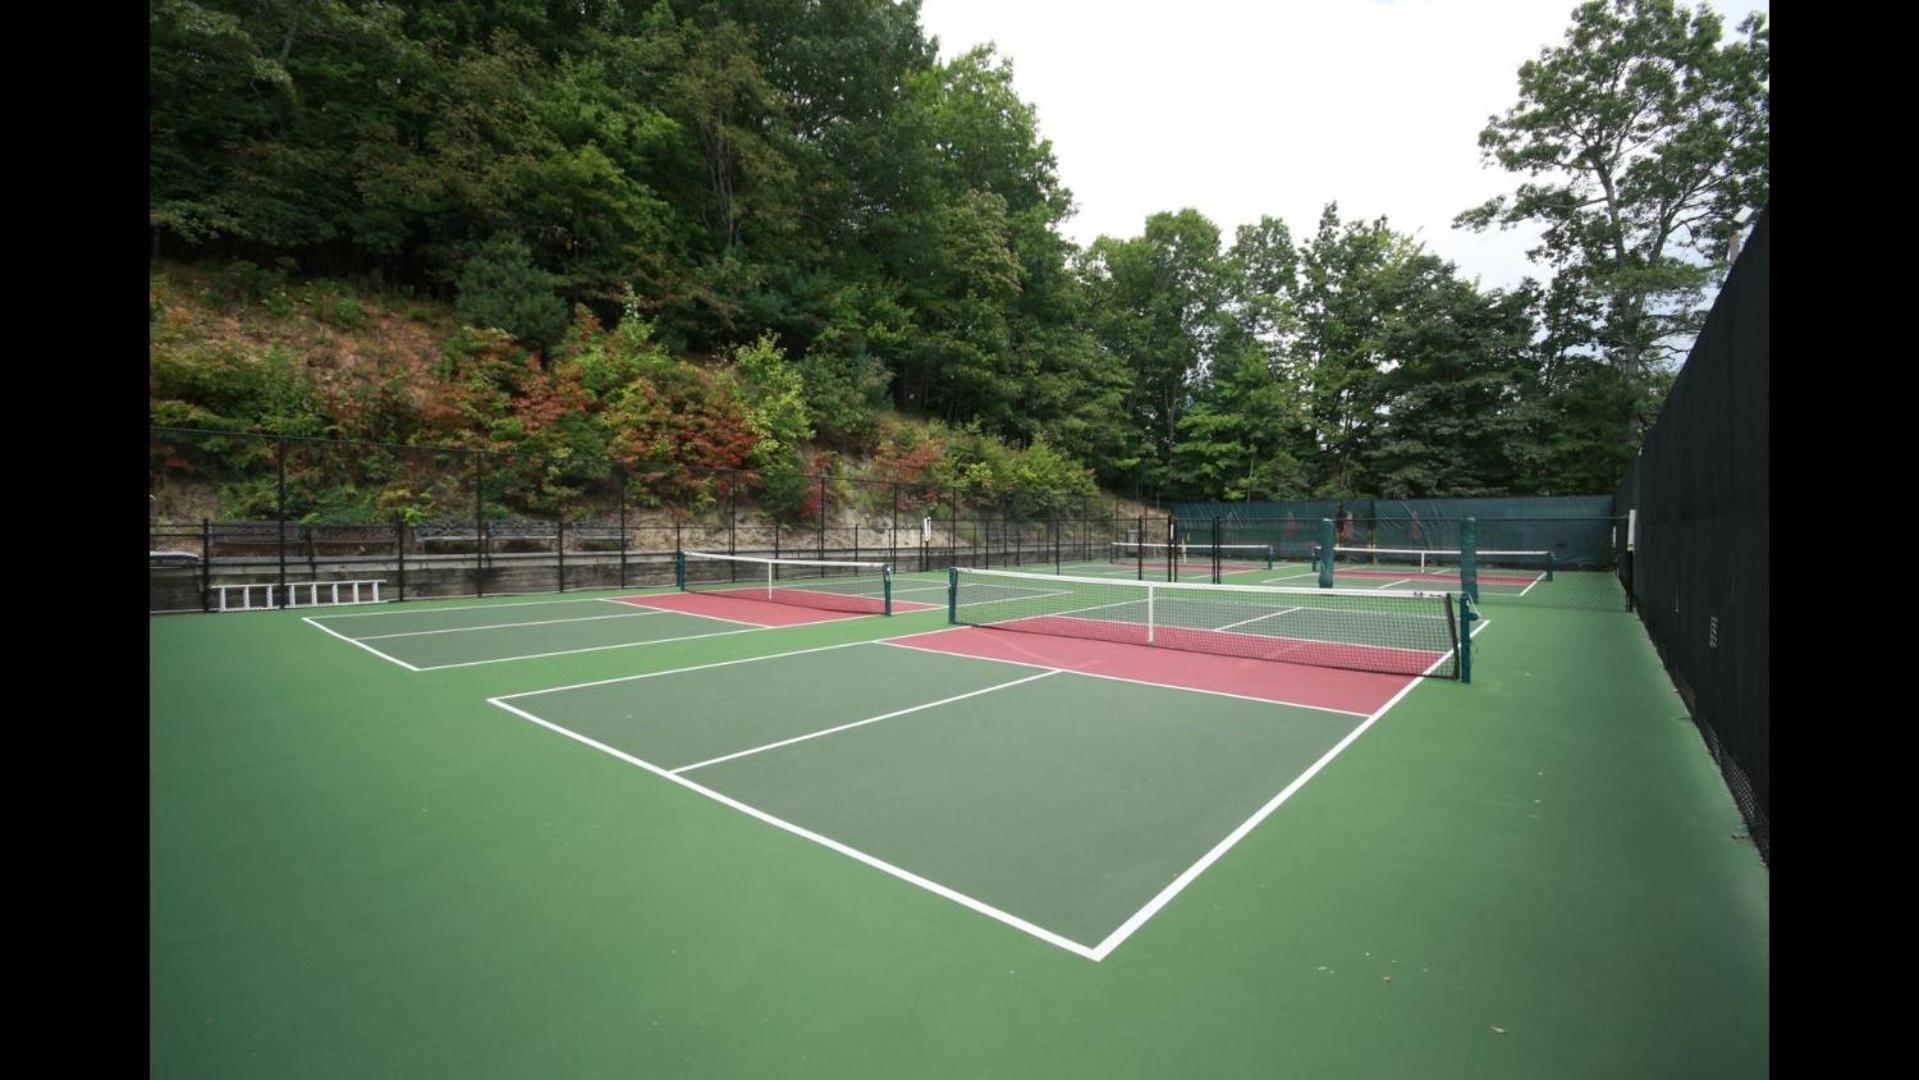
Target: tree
(1648, 142)
(1159, 305)
(502, 288)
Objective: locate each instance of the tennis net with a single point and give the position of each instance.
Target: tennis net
(864, 588)
(1438, 561)
(1251, 555)
(1405, 633)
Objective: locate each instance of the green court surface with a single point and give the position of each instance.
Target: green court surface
(561, 836)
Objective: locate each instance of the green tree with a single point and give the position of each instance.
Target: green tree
(1647, 142)
(1159, 305)
(500, 287)
(1452, 423)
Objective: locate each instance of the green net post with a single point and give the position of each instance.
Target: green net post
(679, 570)
(1327, 540)
(1467, 613)
(886, 584)
(1269, 556)
(1469, 558)
(952, 595)
(1550, 559)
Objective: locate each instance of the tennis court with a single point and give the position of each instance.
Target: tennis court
(754, 825)
(1067, 802)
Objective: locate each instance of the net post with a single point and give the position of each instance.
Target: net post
(1469, 558)
(1466, 616)
(560, 543)
(886, 580)
(1551, 559)
(399, 551)
(1326, 544)
(679, 570)
(1151, 622)
(952, 595)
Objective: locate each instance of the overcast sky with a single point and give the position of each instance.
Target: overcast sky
(1277, 107)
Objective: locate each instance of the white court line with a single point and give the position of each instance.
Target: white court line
(676, 671)
(715, 618)
(1165, 896)
(350, 641)
(477, 607)
(1008, 599)
(830, 844)
(897, 644)
(859, 723)
(625, 644)
(514, 625)
(703, 666)
(1256, 618)
(1289, 577)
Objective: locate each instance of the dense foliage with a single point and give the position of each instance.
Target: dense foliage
(753, 234)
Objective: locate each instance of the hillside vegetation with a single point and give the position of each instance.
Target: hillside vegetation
(760, 233)
(244, 350)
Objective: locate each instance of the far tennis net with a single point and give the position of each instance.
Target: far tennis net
(1440, 561)
(1254, 556)
(864, 588)
(1405, 633)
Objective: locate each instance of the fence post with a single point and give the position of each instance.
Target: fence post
(479, 523)
(1219, 568)
(822, 540)
(1327, 542)
(206, 564)
(1139, 544)
(280, 464)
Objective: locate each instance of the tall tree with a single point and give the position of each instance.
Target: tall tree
(1159, 305)
(1647, 141)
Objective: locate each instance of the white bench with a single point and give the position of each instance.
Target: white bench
(299, 594)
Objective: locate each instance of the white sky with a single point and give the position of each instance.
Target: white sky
(1277, 107)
